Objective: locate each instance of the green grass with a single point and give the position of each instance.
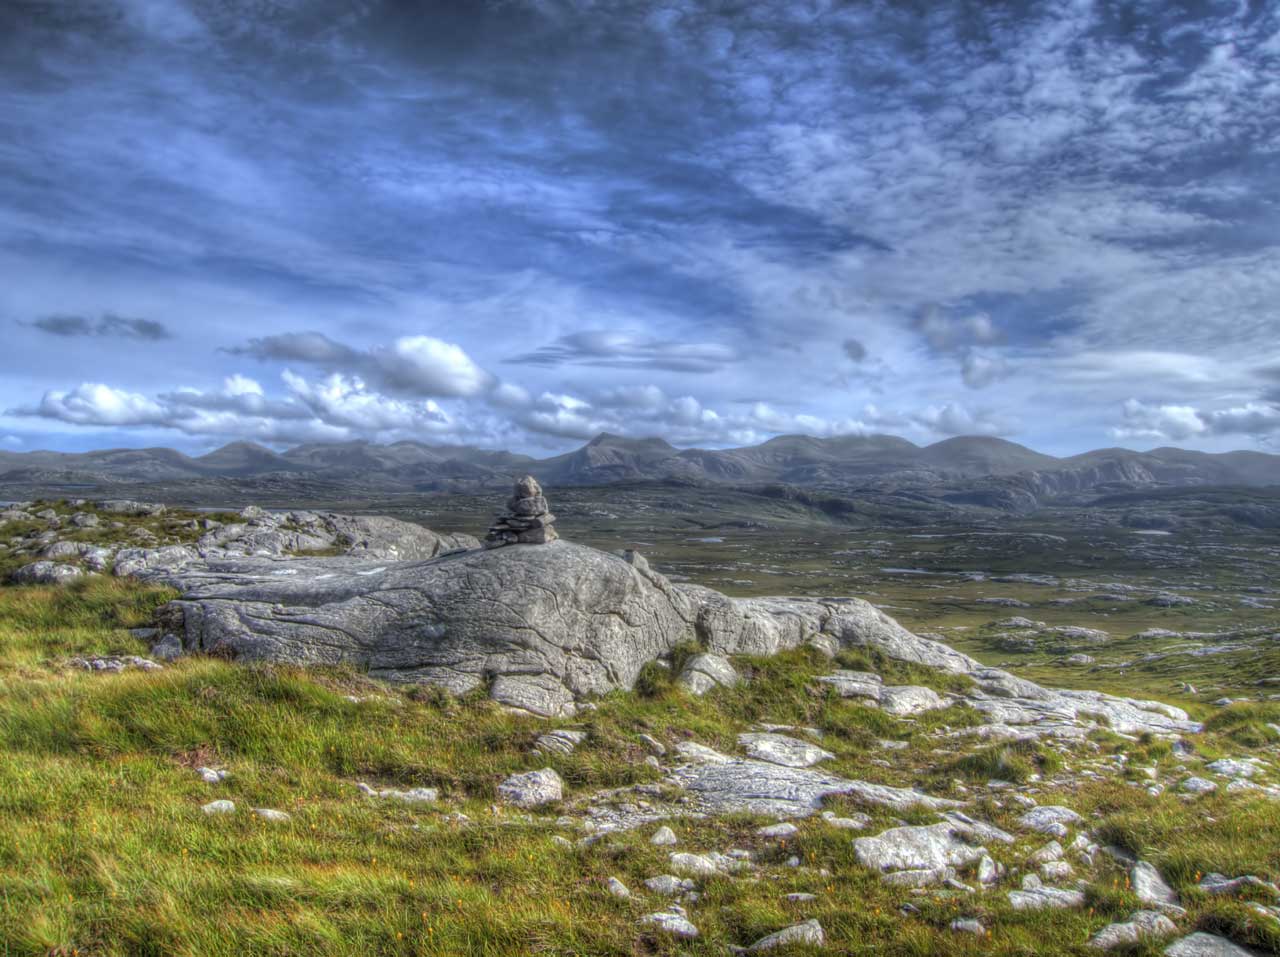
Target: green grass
(104, 850)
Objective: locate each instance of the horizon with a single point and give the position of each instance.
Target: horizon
(285, 448)
(517, 225)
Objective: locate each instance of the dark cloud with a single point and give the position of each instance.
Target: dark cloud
(855, 350)
(298, 347)
(108, 325)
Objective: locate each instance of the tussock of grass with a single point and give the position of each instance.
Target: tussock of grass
(1247, 724)
(1014, 761)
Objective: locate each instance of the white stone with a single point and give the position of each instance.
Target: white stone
(664, 837)
(219, 807)
(808, 933)
(532, 789)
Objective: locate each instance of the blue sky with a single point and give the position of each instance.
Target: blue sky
(519, 223)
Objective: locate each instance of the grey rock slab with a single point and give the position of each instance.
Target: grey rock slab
(1141, 925)
(780, 831)
(1201, 944)
(617, 888)
(909, 699)
(137, 562)
(854, 684)
(808, 933)
(780, 749)
(695, 865)
(1039, 898)
(1231, 768)
(744, 784)
(532, 789)
(1150, 887)
(1197, 785)
(218, 807)
(1220, 884)
(852, 822)
(559, 742)
(411, 796)
(923, 847)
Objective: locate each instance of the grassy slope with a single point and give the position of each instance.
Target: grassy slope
(103, 848)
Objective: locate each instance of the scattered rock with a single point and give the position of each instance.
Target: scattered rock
(532, 789)
(677, 925)
(271, 814)
(1231, 768)
(1151, 888)
(778, 831)
(968, 925)
(909, 699)
(921, 848)
(219, 807)
(411, 796)
(617, 888)
(1201, 944)
(664, 837)
(115, 663)
(1197, 785)
(1141, 925)
(780, 749)
(808, 933)
(853, 822)
(45, 573)
(559, 742)
(855, 684)
(1049, 819)
(669, 884)
(703, 672)
(697, 865)
(212, 775)
(1220, 884)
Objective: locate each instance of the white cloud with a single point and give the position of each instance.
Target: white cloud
(1181, 422)
(422, 365)
(93, 403)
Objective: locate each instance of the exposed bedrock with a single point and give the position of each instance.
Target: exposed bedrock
(545, 626)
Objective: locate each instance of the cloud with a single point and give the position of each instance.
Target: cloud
(93, 403)
(855, 350)
(1180, 422)
(413, 365)
(954, 419)
(946, 333)
(108, 325)
(623, 350)
(12, 441)
(979, 370)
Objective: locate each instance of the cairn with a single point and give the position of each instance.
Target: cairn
(528, 519)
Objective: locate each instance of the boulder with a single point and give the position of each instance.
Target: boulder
(1150, 888)
(909, 699)
(926, 847)
(532, 789)
(46, 573)
(1201, 944)
(780, 749)
(1141, 925)
(703, 672)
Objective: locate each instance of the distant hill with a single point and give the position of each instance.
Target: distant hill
(978, 471)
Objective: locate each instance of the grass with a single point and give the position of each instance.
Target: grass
(104, 850)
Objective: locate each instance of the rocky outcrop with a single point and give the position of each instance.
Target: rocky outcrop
(541, 628)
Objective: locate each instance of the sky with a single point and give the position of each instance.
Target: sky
(519, 223)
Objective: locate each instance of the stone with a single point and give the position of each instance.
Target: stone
(808, 933)
(677, 925)
(167, 648)
(218, 807)
(1040, 898)
(1141, 925)
(85, 520)
(1049, 819)
(853, 822)
(212, 775)
(656, 747)
(114, 663)
(272, 815)
(1197, 785)
(664, 837)
(1056, 870)
(780, 749)
(617, 888)
(1150, 888)
(924, 847)
(45, 573)
(1050, 852)
(703, 672)
(722, 785)
(778, 831)
(1231, 768)
(669, 884)
(532, 789)
(968, 925)
(1201, 944)
(411, 796)
(696, 865)
(527, 521)
(559, 742)
(909, 699)
(1219, 884)
(134, 562)
(854, 684)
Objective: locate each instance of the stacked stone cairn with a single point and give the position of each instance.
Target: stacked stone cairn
(527, 521)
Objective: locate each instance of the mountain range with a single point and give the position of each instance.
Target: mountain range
(966, 470)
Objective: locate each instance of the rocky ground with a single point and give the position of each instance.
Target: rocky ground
(601, 760)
